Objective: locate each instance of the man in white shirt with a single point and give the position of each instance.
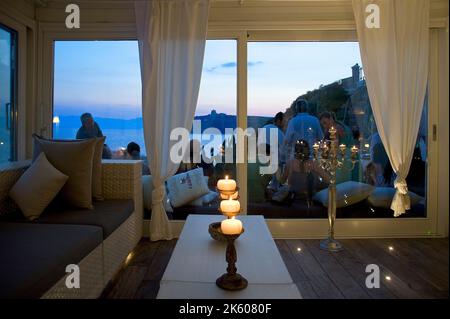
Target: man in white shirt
(278, 123)
(277, 126)
(303, 126)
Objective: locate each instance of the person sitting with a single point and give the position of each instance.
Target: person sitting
(344, 134)
(257, 181)
(372, 176)
(133, 152)
(379, 171)
(303, 175)
(90, 129)
(416, 178)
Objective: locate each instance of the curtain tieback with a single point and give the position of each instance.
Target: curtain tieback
(158, 194)
(401, 201)
(401, 186)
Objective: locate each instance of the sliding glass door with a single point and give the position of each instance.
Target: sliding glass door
(300, 90)
(8, 58)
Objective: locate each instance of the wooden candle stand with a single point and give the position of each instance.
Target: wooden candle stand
(231, 280)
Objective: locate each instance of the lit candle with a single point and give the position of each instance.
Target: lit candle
(226, 184)
(316, 146)
(342, 147)
(230, 206)
(231, 226)
(354, 152)
(315, 150)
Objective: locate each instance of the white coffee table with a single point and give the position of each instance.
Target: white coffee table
(198, 260)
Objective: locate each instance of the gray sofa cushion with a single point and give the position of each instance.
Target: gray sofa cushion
(34, 257)
(108, 215)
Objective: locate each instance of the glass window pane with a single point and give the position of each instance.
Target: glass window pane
(7, 94)
(101, 78)
(314, 93)
(214, 123)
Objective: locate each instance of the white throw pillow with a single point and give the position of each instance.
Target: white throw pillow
(210, 197)
(37, 187)
(196, 202)
(382, 197)
(347, 193)
(205, 199)
(147, 188)
(186, 187)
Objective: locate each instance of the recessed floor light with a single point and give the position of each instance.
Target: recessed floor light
(299, 249)
(129, 257)
(391, 248)
(388, 278)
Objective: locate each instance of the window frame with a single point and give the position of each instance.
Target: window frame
(20, 83)
(280, 228)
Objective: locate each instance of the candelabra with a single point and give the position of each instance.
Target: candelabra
(330, 156)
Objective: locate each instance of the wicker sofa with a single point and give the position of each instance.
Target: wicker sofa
(34, 255)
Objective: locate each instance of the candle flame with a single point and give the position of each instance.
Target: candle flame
(226, 176)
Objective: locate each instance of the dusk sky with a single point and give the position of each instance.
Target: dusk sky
(103, 77)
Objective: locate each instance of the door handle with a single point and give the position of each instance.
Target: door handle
(8, 115)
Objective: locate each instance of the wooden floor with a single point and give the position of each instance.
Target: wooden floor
(412, 268)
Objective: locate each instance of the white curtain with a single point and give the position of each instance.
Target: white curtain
(172, 37)
(395, 63)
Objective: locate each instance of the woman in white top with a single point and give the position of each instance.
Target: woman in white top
(303, 175)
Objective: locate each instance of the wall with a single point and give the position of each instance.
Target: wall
(20, 15)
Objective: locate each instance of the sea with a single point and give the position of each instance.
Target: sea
(118, 139)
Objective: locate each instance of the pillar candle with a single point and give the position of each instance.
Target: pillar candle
(231, 226)
(226, 184)
(230, 206)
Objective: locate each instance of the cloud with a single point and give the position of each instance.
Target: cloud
(231, 65)
(228, 65)
(250, 64)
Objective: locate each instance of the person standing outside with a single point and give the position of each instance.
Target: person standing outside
(303, 126)
(277, 126)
